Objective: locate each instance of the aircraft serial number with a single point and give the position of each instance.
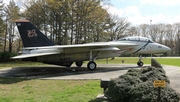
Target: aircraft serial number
(65, 59)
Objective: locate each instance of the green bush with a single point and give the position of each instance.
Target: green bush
(137, 86)
(5, 56)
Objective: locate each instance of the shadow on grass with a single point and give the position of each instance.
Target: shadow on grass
(5, 80)
(99, 100)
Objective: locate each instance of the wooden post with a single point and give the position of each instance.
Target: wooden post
(159, 84)
(159, 94)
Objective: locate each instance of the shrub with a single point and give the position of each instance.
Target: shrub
(5, 56)
(137, 86)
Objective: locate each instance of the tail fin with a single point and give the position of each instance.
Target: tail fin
(31, 36)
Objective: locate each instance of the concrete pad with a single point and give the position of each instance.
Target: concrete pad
(104, 71)
(101, 98)
(173, 74)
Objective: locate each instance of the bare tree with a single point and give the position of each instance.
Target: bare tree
(132, 31)
(12, 13)
(118, 27)
(143, 30)
(2, 27)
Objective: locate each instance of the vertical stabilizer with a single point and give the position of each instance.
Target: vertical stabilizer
(31, 36)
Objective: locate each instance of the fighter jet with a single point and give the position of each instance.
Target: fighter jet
(39, 48)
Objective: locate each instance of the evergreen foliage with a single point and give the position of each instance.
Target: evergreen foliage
(5, 56)
(137, 86)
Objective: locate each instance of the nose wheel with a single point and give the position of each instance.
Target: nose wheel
(140, 64)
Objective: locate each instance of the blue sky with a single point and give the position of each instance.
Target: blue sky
(142, 11)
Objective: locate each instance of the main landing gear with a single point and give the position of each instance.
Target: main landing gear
(91, 65)
(140, 63)
(79, 63)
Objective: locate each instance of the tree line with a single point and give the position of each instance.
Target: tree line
(78, 21)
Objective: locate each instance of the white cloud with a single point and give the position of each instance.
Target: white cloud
(128, 11)
(160, 18)
(161, 2)
(114, 10)
(131, 10)
(132, 14)
(136, 20)
(176, 19)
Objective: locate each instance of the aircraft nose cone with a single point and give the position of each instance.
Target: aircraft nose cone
(167, 49)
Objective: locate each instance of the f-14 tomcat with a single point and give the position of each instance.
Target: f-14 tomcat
(37, 47)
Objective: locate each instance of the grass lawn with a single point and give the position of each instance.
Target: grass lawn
(36, 90)
(24, 90)
(133, 60)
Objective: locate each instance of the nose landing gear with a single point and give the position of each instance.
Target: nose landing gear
(140, 63)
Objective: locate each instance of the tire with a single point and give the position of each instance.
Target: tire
(79, 64)
(91, 65)
(140, 64)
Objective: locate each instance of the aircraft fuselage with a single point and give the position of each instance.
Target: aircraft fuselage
(83, 54)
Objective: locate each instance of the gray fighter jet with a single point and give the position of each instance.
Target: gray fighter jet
(38, 48)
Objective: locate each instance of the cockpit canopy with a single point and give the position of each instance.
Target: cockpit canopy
(136, 38)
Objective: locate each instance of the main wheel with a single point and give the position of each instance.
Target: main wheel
(91, 65)
(79, 63)
(140, 64)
